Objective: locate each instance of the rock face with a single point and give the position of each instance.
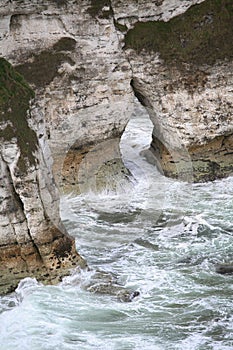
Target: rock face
(86, 60)
(182, 74)
(33, 241)
(80, 57)
(95, 169)
(69, 52)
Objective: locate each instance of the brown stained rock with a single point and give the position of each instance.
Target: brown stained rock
(28, 260)
(200, 163)
(94, 167)
(67, 174)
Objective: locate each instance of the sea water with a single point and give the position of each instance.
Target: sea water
(158, 236)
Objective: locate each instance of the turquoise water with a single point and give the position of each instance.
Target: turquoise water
(158, 236)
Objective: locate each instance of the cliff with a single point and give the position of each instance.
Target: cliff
(80, 57)
(33, 241)
(86, 61)
(81, 76)
(182, 74)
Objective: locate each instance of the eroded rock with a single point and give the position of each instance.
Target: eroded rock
(182, 74)
(70, 53)
(177, 59)
(33, 241)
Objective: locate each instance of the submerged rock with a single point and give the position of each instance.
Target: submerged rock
(102, 282)
(146, 244)
(224, 268)
(122, 294)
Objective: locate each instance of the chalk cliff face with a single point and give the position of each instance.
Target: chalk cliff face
(74, 62)
(182, 73)
(33, 241)
(71, 52)
(80, 57)
(86, 60)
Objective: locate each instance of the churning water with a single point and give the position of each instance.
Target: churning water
(158, 236)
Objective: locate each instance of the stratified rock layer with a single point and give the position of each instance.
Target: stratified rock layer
(33, 241)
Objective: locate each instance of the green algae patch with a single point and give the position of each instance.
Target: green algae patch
(202, 35)
(64, 44)
(43, 67)
(121, 27)
(15, 96)
(96, 9)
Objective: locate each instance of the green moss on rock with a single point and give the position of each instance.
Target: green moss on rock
(202, 35)
(64, 44)
(42, 69)
(96, 9)
(121, 27)
(15, 95)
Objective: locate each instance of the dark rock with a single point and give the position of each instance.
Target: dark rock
(106, 284)
(224, 268)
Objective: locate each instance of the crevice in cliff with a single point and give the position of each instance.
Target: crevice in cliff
(13, 208)
(120, 28)
(47, 218)
(139, 95)
(20, 206)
